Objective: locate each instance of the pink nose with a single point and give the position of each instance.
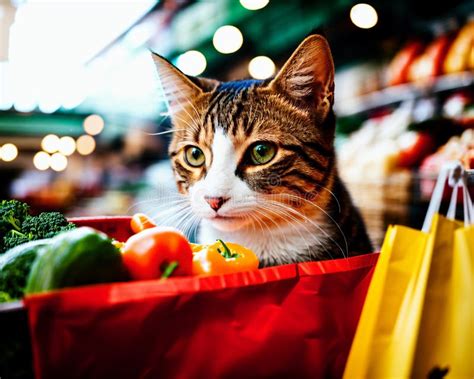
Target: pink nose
(215, 202)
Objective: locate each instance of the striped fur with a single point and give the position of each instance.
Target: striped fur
(293, 208)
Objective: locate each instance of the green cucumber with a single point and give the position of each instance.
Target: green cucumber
(78, 257)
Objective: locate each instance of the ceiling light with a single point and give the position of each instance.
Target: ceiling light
(261, 67)
(24, 105)
(364, 16)
(192, 62)
(9, 152)
(227, 39)
(67, 145)
(93, 124)
(58, 162)
(85, 145)
(42, 160)
(48, 106)
(50, 143)
(254, 5)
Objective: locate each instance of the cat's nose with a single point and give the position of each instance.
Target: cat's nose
(215, 202)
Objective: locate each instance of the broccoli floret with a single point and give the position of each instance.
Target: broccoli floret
(14, 238)
(12, 215)
(46, 225)
(5, 297)
(18, 227)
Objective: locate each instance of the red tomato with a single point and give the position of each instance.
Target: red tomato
(141, 222)
(150, 252)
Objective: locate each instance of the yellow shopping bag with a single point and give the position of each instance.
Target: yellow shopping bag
(374, 353)
(446, 337)
(461, 346)
(432, 353)
(410, 324)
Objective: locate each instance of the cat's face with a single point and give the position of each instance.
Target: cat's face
(248, 152)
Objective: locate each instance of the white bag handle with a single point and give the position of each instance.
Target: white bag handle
(436, 197)
(455, 180)
(468, 206)
(456, 176)
(453, 202)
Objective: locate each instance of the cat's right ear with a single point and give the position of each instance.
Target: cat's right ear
(308, 76)
(179, 89)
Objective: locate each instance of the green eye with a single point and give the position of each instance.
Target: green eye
(262, 152)
(194, 156)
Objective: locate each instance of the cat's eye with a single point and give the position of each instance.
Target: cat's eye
(262, 152)
(194, 156)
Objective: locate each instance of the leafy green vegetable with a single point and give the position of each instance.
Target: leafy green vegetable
(15, 265)
(14, 238)
(46, 225)
(18, 227)
(74, 258)
(12, 215)
(5, 297)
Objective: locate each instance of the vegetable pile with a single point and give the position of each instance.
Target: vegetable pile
(46, 252)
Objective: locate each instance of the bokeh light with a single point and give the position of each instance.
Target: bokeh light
(8, 152)
(364, 16)
(254, 5)
(192, 62)
(261, 67)
(93, 124)
(25, 105)
(48, 106)
(58, 162)
(85, 145)
(50, 143)
(227, 39)
(42, 160)
(67, 145)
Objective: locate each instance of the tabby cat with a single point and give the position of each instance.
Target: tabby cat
(256, 159)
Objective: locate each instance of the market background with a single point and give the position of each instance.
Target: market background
(81, 109)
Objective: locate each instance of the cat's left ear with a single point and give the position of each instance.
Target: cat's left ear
(308, 76)
(179, 88)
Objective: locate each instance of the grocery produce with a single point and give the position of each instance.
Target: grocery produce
(74, 258)
(12, 214)
(417, 147)
(458, 148)
(17, 226)
(222, 258)
(149, 254)
(459, 56)
(15, 265)
(399, 67)
(52, 253)
(46, 225)
(430, 63)
(141, 222)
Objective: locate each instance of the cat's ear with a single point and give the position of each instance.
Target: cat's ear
(308, 75)
(179, 89)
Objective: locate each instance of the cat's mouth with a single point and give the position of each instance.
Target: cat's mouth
(228, 223)
(221, 217)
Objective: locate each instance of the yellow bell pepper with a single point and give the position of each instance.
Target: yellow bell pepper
(222, 258)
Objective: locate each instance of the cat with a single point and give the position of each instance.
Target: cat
(256, 159)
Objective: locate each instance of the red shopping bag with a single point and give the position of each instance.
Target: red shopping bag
(294, 321)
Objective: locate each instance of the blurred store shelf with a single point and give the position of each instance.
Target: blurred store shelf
(383, 202)
(403, 92)
(400, 198)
